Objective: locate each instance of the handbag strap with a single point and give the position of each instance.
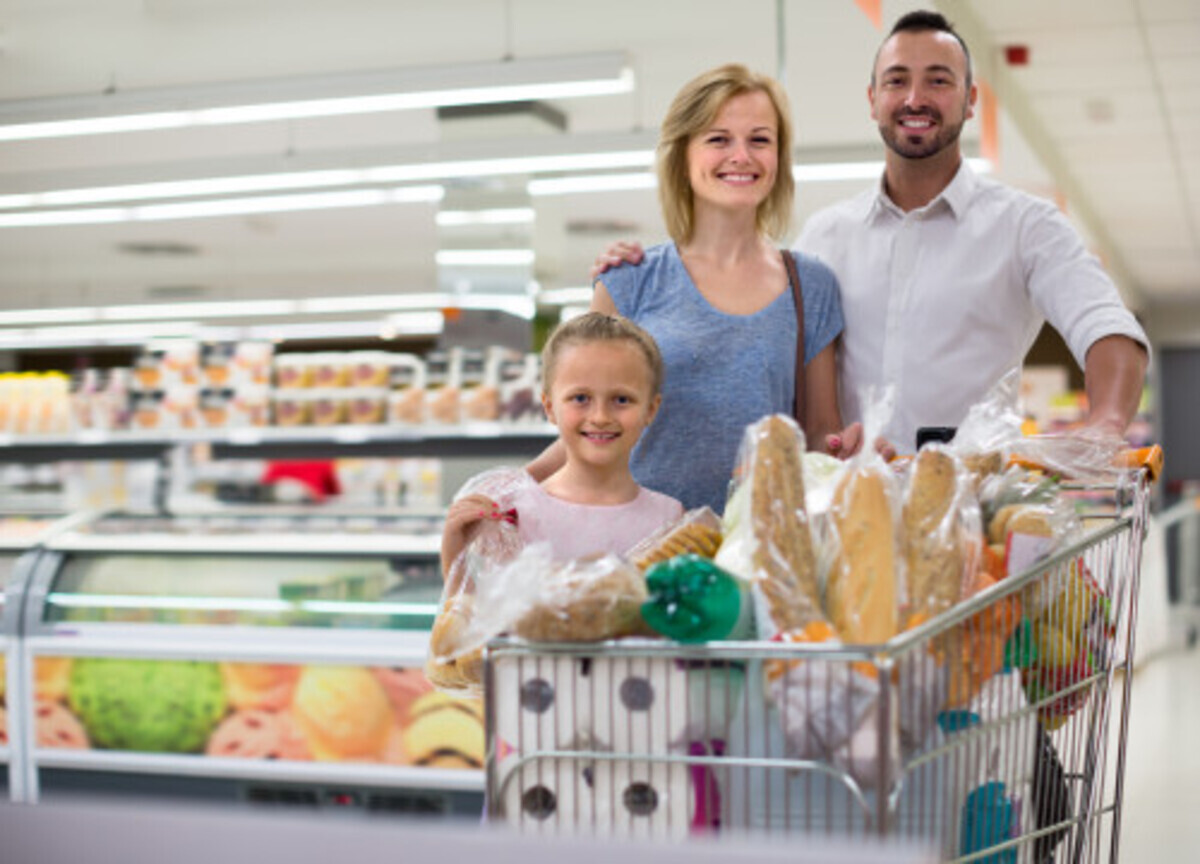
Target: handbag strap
(797, 295)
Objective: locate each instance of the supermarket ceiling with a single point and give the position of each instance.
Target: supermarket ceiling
(1098, 108)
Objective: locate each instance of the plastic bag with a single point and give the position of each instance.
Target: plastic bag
(767, 538)
(455, 660)
(582, 600)
(991, 428)
(863, 590)
(941, 533)
(1082, 455)
(697, 531)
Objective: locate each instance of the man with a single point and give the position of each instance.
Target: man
(947, 277)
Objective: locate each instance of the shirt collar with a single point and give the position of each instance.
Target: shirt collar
(955, 196)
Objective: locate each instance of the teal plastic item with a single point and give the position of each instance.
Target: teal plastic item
(691, 599)
(988, 818)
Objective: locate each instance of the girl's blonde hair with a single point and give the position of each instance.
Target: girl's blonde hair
(692, 112)
(598, 327)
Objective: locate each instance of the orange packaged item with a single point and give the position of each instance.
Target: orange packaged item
(293, 371)
(327, 407)
(370, 369)
(330, 369)
(290, 408)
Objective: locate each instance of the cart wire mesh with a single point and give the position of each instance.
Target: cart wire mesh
(994, 732)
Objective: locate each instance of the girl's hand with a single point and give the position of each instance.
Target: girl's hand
(849, 441)
(462, 518)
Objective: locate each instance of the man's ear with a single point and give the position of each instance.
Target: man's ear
(871, 101)
(972, 98)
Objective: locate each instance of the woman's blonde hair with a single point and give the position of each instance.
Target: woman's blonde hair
(598, 327)
(692, 112)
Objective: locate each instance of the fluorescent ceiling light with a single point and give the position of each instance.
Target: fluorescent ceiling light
(48, 316)
(592, 183)
(228, 309)
(225, 207)
(317, 96)
(484, 257)
(566, 296)
(423, 171)
(494, 216)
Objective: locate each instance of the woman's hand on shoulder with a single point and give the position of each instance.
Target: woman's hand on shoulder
(617, 254)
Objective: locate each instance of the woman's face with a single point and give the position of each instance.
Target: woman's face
(733, 163)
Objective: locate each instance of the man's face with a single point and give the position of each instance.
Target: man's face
(919, 94)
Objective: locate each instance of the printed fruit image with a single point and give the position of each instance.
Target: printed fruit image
(343, 712)
(259, 685)
(57, 727)
(153, 706)
(51, 677)
(445, 732)
(256, 734)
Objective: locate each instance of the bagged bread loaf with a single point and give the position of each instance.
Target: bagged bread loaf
(768, 541)
(586, 600)
(940, 533)
(861, 592)
(455, 659)
(697, 532)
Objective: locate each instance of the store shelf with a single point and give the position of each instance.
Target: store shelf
(476, 439)
(256, 544)
(261, 769)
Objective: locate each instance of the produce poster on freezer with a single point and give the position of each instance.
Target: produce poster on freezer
(255, 711)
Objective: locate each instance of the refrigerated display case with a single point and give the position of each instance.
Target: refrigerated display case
(21, 530)
(259, 657)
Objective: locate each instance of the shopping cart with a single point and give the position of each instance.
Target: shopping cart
(988, 732)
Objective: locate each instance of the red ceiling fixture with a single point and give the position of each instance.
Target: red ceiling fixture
(1016, 55)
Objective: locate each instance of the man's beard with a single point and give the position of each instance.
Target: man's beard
(900, 144)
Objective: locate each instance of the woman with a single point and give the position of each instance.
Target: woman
(717, 298)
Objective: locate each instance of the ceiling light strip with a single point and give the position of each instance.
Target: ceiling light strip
(244, 102)
(429, 171)
(225, 207)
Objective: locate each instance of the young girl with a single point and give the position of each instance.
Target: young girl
(601, 386)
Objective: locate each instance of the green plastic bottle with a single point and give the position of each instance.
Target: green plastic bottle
(691, 599)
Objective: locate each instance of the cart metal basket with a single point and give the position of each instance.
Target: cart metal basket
(994, 732)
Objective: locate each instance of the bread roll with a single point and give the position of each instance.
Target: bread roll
(587, 600)
(1036, 519)
(861, 593)
(692, 536)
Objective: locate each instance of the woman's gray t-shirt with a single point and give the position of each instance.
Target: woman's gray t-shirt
(723, 372)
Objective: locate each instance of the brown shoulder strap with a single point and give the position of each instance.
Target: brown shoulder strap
(794, 280)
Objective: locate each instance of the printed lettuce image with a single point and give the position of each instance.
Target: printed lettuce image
(153, 706)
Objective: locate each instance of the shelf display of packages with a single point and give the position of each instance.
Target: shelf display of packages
(229, 710)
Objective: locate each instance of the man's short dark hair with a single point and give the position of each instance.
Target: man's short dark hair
(923, 21)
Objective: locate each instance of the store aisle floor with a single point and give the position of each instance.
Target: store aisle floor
(1162, 783)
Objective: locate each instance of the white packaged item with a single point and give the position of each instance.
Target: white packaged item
(481, 384)
(406, 401)
(520, 390)
(443, 387)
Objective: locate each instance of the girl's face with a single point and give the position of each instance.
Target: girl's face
(733, 163)
(601, 401)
